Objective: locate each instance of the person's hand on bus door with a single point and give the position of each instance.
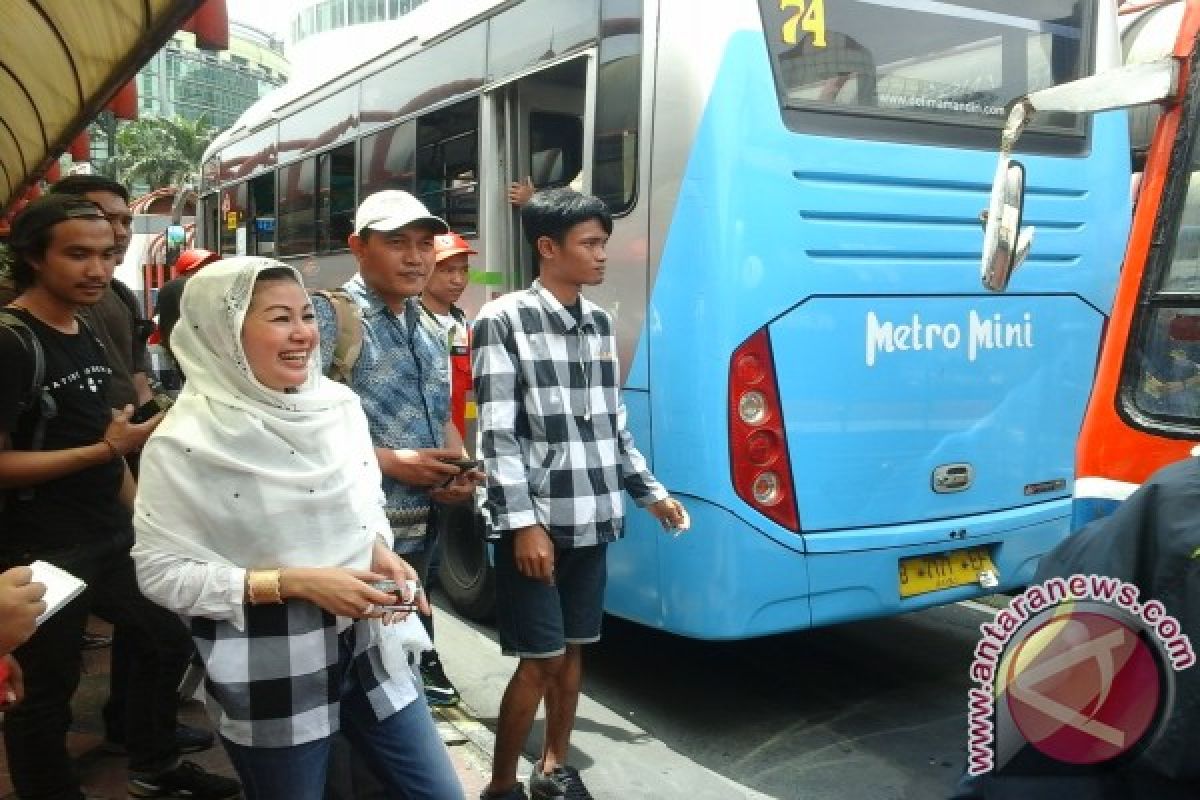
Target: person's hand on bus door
(519, 192)
(671, 514)
(533, 553)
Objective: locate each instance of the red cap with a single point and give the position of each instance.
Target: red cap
(194, 259)
(450, 244)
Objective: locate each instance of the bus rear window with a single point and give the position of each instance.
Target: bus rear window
(955, 62)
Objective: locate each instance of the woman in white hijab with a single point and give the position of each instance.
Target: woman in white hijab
(259, 517)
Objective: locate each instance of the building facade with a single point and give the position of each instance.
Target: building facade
(327, 15)
(183, 80)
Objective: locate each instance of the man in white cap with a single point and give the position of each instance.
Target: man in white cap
(401, 372)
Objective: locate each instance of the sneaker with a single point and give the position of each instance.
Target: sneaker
(515, 793)
(439, 691)
(188, 739)
(95, 641)
(562, 783)
(187, 780)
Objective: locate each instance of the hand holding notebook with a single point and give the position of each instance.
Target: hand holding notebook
(61, 587)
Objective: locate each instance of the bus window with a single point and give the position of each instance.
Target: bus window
(208, 222)
(950, 62)
(389, 159)
(296, 226)
(618, 101)
(318, 126)
(335, 199)
(262, 205)
(1166, 380)
(233, 220)
(1169, 382)
(555, 148)
(448, 164)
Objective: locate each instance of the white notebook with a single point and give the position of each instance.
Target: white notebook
(61, 587)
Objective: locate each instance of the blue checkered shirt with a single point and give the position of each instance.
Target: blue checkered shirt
(402, 380)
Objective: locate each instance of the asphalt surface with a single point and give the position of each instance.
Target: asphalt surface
(868, 710)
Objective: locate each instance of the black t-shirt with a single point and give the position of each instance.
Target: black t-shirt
(576, 310)
(81, 507)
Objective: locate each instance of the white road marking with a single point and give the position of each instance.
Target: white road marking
(982, 608)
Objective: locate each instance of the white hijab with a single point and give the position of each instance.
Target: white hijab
(243, 475)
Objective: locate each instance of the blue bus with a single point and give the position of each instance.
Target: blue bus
(855, 426)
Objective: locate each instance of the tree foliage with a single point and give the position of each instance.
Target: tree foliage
(161, 152)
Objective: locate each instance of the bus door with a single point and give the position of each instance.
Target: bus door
(534, 131)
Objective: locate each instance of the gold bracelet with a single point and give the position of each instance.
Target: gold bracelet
(262, 586)
(115, 452)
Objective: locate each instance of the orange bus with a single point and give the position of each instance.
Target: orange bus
(1144, 409)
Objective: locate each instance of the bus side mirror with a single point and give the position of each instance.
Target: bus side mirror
(1005, 243)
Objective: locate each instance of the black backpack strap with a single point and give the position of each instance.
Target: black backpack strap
(33, 348)
(38, 397)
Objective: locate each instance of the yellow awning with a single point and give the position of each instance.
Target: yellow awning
(60, 62)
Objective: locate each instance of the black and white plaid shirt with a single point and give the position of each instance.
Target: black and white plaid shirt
(278, 681)
(554, 442)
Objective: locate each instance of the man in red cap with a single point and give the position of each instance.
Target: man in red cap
(446, 320)
(446, 324)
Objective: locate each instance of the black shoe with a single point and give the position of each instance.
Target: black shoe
(190, 739)
(515, 793)
(187, 738)
(95, 641)
(562, 783)
(187, 780)
(439, 691)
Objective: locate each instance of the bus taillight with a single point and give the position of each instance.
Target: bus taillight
(762, 475)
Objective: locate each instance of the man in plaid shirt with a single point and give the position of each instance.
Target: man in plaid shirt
(557, 456)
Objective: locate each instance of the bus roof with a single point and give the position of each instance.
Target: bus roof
(61, 61)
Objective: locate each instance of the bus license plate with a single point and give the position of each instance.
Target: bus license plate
(928, 573)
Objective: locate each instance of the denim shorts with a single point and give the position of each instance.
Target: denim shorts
(539, 621)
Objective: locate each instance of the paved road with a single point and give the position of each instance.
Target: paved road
(873, 710)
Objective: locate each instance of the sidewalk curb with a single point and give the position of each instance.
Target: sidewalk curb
(470, 744)
(460, 728)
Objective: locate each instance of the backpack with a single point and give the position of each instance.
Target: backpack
(348, 346)
(37, 396)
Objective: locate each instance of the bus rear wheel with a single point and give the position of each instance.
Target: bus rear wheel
(465, 573)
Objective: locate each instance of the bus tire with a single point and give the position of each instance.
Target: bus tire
(466, 574)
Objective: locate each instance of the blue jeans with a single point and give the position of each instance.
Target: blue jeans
(404, 750)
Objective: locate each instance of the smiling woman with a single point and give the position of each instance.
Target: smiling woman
(280, 330)
(259, 518)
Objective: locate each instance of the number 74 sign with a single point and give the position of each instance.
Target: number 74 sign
(808, 16)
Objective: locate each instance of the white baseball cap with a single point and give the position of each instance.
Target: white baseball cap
(392, 209)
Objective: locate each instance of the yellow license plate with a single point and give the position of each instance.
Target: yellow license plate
(928, 573)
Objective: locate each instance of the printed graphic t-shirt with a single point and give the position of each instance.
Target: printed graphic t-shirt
(82, 506)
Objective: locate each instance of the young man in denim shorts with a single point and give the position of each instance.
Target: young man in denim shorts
(557, 456)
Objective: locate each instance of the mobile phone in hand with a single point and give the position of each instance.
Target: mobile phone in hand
(160, 402)
(463, 463)
(391, 587)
